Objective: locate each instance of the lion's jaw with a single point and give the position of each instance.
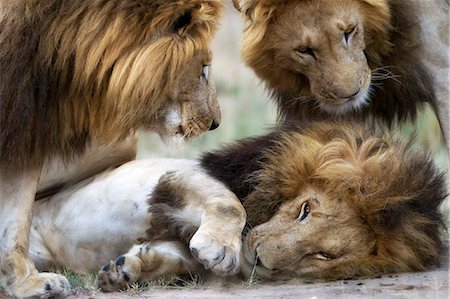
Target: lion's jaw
(354, 103)
(285, 246)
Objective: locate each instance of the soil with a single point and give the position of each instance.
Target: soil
(432, 284)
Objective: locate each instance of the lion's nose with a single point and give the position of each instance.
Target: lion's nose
(215, 124)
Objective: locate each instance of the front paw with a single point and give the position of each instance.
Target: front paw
(42, 285)
(117, 275)
(220, 255)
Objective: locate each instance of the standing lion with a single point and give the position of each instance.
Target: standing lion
(74, 72)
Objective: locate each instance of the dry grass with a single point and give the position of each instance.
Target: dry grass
(87, 283)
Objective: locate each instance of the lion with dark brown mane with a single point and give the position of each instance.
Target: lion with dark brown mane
(350, 58)
(75, 73)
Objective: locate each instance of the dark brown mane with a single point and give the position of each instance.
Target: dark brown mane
(395, 190)
(75, 69)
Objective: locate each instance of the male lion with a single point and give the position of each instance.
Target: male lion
(80, 74)
(358, 58)
(329, 200)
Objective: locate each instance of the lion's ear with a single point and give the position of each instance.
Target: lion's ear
(256, 11)
(183, 22)
(237, 4)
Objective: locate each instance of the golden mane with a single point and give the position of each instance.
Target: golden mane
(391, 37)
(377, 16)
(75, 69)
(394, 190)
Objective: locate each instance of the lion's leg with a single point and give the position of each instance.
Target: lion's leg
(18, 275)
(218, 213)
(146, 262)
(193, 206)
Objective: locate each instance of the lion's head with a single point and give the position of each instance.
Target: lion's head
(336, 202)
(191, 106)
(332, 54)
(72, 70)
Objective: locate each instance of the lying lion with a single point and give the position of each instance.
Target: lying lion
(331, 200)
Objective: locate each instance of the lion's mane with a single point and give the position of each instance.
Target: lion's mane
(75, 69)
(392, 37)
(395, 190)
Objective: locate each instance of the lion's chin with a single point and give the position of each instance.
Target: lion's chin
(173, 142)
(350, 105)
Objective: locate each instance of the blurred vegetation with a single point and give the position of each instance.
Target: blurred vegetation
(246, 110)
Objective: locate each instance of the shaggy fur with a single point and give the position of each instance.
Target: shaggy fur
(380, 189)
(390, 37)
(76, 69)
(373, 209)
(77, 75)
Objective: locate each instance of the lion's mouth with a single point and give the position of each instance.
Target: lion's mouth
(338, 106)
(191, 124)
(345, 106)
(191, 129)
(251, 265)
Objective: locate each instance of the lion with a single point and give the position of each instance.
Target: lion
(350, 58)
(326, 200)
(80, 77)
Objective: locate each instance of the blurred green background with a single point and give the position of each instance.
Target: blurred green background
(247, 111)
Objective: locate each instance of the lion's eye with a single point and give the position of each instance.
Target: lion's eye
(323, 256)
(304, 211)
(205, 71)
(306, 51)
(348, 33)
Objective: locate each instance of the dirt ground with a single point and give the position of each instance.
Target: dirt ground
(432, 284)
(409, 285)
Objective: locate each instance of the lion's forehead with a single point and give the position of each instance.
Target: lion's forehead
(311, 15)
(314, 26)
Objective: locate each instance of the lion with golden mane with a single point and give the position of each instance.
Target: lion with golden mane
(351, 58)
(326, 200)
(77, 75)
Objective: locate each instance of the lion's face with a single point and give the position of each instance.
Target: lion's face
(338, 201)
(325, 43)
(307, 236)
(313, 48)
(192, 104)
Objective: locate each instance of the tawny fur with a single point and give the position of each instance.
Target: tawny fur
(387, 43)
(373, 210)
(81, 76)
(378, 192)
(76, 69)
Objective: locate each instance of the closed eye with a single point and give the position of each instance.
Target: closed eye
(304, 211)
(324, 256)
(348, 33)
(306, 51)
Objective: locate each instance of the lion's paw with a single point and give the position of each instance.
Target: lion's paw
(220, 256)
(43, 285)
(117, 275)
